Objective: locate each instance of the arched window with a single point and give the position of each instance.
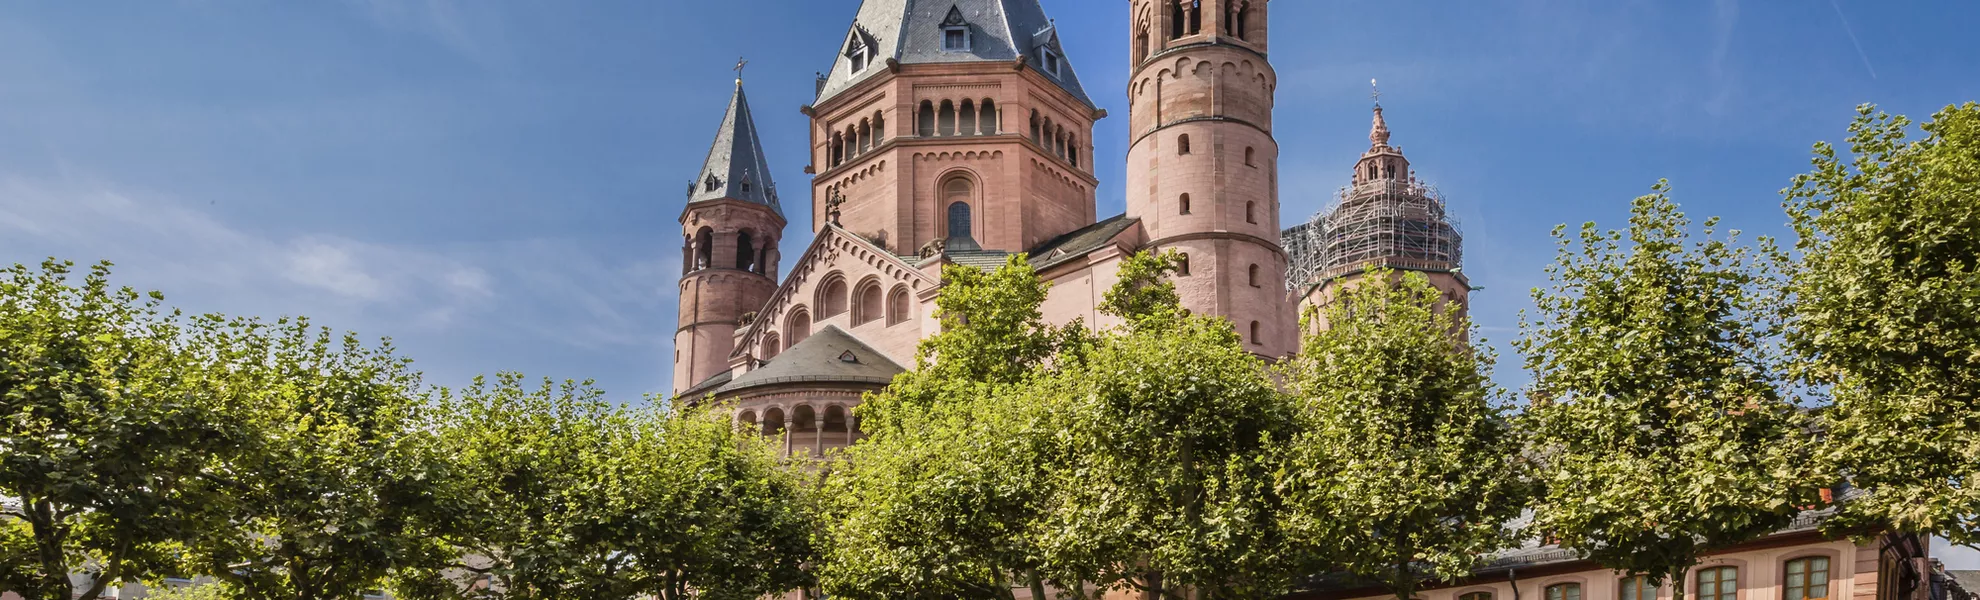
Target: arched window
(989, 119)
(704, 248)
(879, 128)
(745, 252)
(1061, 143)
(1252, 275)
(945, 120)
(1476, 596)
(1390, 172)
(835, 150)
(832, 297)
(867, 304)
(1034, 128)
(1182, 144)
(796, 328)
(1250, 155)
(773, 421)
(1251, 212)
(747, 421)
(1195, 17)
(1178, 22)
(1637, 588)
(771, 347)
(852, 141)
(968, 117)
(1373, 174)
(1239, 27)
(1182, 264)
(865, 136)
(1254, 342)
(957, 193)
(1182, 205)
(1072, 151)
(804, 418)
(1140, 46)
(1564, 591)
(1718, 583)
(835, 419)
(925, 127)
(1807, 579)
(897, 306)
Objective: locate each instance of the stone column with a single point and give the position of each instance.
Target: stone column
(818, 436)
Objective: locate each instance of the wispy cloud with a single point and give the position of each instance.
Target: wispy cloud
(1848, 29)
(500, 300)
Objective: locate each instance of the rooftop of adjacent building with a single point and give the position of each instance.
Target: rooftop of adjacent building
(910, 32)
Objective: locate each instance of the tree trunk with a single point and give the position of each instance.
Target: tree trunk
(1037, 584)
(1677, 581)
(53, 581)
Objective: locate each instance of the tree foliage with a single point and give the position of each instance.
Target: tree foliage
(107, 432)
(553, 492)
(1131, 459)
(327, 486)
(1885, 314)
(1656, 404)
(1407, 467)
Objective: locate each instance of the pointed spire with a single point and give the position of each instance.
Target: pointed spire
(1379, 133)
(736, 167)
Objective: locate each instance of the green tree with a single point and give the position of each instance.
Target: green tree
(1407, 467)
(190, 592)
(326, 486)
(1656, 410)
(1164, 434)
(555, 493)
(108, 431)
(935, 502)
(1885, 315)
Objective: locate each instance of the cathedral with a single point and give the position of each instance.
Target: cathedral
(958, 132)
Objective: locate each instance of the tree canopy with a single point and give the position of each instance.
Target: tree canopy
(1884, 313)
(1656, 411)
(1406, 468)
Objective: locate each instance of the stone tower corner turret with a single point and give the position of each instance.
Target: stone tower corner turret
(730, 230)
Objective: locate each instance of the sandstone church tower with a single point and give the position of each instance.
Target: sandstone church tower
(731, 227)
(1202, 164)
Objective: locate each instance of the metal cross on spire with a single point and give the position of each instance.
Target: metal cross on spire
(740, 63)
(1377, 95)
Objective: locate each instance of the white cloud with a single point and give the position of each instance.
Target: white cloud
(515, 304)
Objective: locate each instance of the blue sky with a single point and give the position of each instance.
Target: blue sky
(495, 184)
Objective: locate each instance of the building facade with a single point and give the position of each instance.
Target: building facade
(958, 133)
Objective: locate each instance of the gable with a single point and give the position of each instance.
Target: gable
(834, 255)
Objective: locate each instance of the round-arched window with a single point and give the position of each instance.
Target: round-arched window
(957, 193)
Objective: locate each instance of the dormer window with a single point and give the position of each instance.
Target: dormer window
(712, 182)
(955, 32)
(745, 185)
(859, 50)
(1051, 60)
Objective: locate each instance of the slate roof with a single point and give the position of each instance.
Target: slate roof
(828, 356)
(716, 381)
(910, 31)
(1081, 242)
(1965, 584)
(736, 166)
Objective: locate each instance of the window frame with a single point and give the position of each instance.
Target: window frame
(1698, 582)
(1828, 577)
(968, 43)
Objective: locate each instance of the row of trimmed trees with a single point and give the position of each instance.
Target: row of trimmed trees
(1691, 391)
(283, 461)
(1680, 380)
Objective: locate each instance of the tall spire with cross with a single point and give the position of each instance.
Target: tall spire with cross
(736, 167)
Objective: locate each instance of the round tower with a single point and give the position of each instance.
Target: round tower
(730, 230)
(1202, 164)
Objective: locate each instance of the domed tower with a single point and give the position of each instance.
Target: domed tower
(1385, 219)
(731, 225)
(1202, 164)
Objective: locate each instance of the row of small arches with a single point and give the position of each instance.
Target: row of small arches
(866, 302)
(802, 418)
(1186, 19)
(751, 255)
(858, 139)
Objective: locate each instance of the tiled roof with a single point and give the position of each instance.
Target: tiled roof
(910, 31)
(736, 167)
(829, 356)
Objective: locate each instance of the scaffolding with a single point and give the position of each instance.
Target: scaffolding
(1377, 224)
